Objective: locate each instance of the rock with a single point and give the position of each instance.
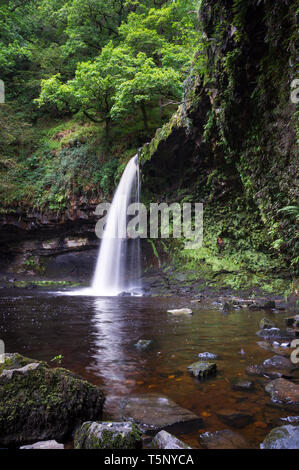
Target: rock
(164, 440)
(259, 304)
(275, 334)
(225, 439)
(38, 403)
(243, 385)
(284, 437)
(44, 445)
(291, 419)
(266, 324)
(276, 348)
(108, 435)
(202, 369)
(206, 356)
(283, 392)
(153, 412)
(182, 311)
(278, 362)
(143, 344)
(292, 321)
(262, 371)
(234, 418)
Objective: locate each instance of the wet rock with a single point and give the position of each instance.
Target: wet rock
(284, 437)
(206, 356)
(276, 348)
(235, 418)
(44, 445)
(225, 439)
(143, 344)
(293, 321)
(260, 304)
(242, 385)
(108, 435)
(278, 362)
(255, 369)
(153, 412)
(262, 371)
(202, 369)
(290, 419)
(283, 392)
(181, 311)
(39, 403)
(164, 440)
(266, 324)
(275, 334)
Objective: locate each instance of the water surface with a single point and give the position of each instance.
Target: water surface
(96, 337)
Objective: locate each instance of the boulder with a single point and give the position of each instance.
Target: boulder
(108, 435)
(235, 418)
(202, 369)
(225, 439)
(164, 440)
(284, 437)
(40, 403)
(44, 445)
(284, 393)
(153, 412)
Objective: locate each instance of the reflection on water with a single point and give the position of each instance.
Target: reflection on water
(96, 336)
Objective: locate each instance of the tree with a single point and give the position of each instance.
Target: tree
(93, 88)
(148, 84)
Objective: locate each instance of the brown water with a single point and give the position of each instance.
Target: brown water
(96, 336)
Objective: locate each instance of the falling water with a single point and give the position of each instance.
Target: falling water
(118, 264)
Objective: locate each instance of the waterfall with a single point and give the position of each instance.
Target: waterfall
(118, 263)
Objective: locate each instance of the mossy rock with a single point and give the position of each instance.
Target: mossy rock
(108, 435)
(202, 369)
(40, 403)
(284, 437)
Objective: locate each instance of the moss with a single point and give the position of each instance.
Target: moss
(85, 438)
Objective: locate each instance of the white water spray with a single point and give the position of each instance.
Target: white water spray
(118, 264)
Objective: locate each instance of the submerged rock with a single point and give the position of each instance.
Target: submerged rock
(44, 445)
(225, 439)
(40, 403)
(284, 393)
(243, 385)
(108, 435)
(143, 344)
(284, 437)
(266, 324)
(153, 412)
(164, 440)
(202, 369)
(235, 418)
(278, 362)
(181, 311)
(206, 356)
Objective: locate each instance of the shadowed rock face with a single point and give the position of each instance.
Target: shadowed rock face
(155, 412)
(40, 403)
(285, 437)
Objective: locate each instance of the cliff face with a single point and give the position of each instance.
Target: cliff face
(232, 144)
